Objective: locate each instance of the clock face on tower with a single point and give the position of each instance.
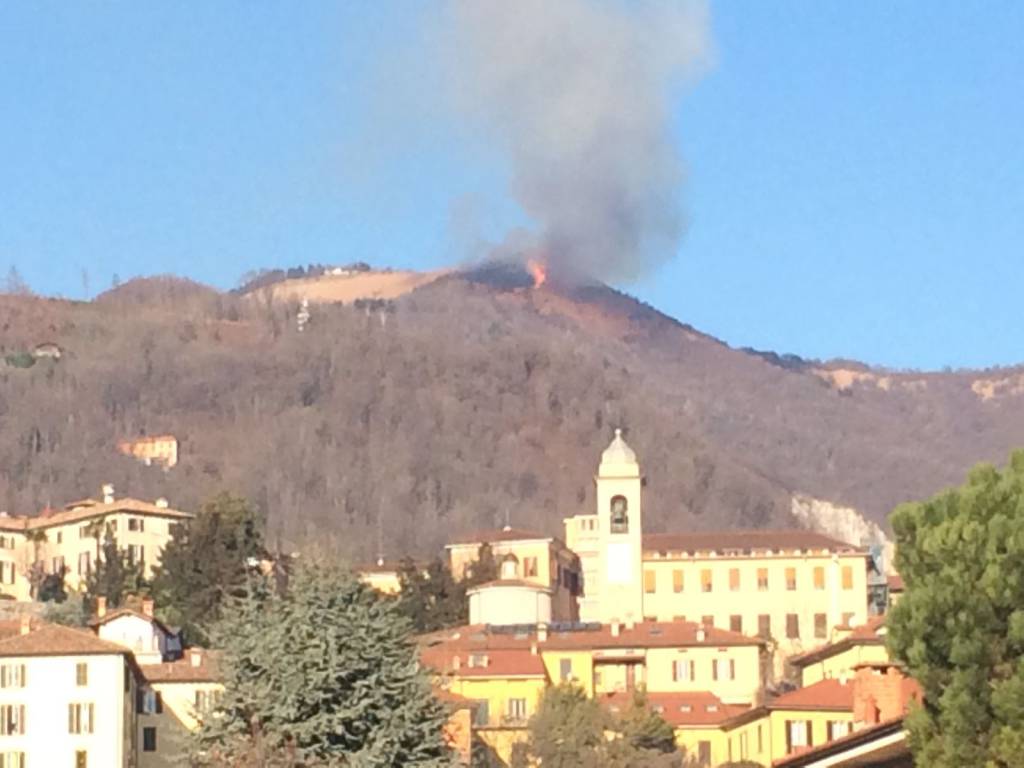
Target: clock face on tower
(619, 515)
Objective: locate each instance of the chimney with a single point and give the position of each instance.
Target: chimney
(630, 623)
(101, 607)
(701, 634)
(195, 656)
(147, 607)
(108, 493)
(26, 623)
(162, 503)
(881, 692)
(533, 649)
(542, 632)
(616, 628)
(456, 663)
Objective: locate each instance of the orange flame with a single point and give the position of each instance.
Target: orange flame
(539, 272)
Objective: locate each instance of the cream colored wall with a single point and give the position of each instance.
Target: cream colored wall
(50, 688)
(744, 689)
(174, 725)
(582, 537)
(819, 726)
(17, 557)
(842, 663)
(749, 602)
(619, 592)
(385, 582)
(509, 605)
(141, 637)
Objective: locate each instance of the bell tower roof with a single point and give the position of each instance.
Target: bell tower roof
(618, 459)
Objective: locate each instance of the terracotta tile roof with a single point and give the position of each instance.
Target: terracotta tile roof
(743, 541)
(88, 510)
(57, 640)
(870, 633)
(692, 708)
(117, 613)
(831, 695)
(673, 634)
(12, 627)
(183, 670)
(462, 662)
(895, 582)
(500, 534)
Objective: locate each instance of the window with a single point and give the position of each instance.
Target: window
(704, 753)
(734, 579)
(84, 563)
(206, 701)
(80, 718)
(836, 729)
(12, 759)
(136, 554)
(736, 623)
(820, 626)
(723, 669)
(684, 671)
(81, 759)
(529, 566)
(565, 669)
(481, 716)
(760, 738)
(516, 709)
(81, 673)
(798, 734)
(136, 524)
(677, 580)
(792, 626)
(847, 577)
(791, 579)
(152, 703)
(619, 515)
(705, 580)
(714, 669)
(819, 577)
(743, 746)
(6, 542)
(764, 625)
(762, 579)
(12, 719)
(57, 565)
(7, 572)
(707, 621)
(12, 676)
(149, 739)
(649, 581)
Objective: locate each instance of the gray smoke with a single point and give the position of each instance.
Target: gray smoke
(579, 96)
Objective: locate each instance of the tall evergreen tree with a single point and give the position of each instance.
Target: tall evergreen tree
(567, 730)
(960, 626)
(207, 560)
(114, 576)
(327, 670)
(431, 598)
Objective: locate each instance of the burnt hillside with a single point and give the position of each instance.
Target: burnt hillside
(467, 402)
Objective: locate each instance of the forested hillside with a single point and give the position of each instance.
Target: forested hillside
(387, 427)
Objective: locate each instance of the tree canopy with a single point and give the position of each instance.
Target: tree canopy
(205, 561)
(959, 628)
(325, 670)
(572, 730)
(432, 598)
(113, 575)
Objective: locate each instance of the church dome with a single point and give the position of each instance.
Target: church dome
(618, 452)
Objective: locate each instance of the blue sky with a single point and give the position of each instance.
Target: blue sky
(856, 170)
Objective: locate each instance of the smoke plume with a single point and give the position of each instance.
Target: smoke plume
(578, 94)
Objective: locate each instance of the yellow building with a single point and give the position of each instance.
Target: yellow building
(505, 670)
(790, 586)
(527, 556)
(67, 698)
(159, 449)
(71, 540)
(381, 575)
(859, 645)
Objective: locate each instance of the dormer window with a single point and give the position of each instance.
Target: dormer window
(619, 515)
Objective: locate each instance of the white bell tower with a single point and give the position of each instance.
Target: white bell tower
(620, 529)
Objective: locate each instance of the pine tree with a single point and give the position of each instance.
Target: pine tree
(326, 669)
(431, 598)
(114, 576)
(206, 560)
(960, 626)
(567, 731)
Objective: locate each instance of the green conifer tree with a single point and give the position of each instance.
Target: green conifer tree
(960, 626)
(326, 671)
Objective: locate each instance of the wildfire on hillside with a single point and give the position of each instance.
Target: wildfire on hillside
(538, 270)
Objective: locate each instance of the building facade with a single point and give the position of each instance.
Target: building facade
(70, 541)
(795, 587)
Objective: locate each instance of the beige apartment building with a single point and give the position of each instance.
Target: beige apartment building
(71, 539)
